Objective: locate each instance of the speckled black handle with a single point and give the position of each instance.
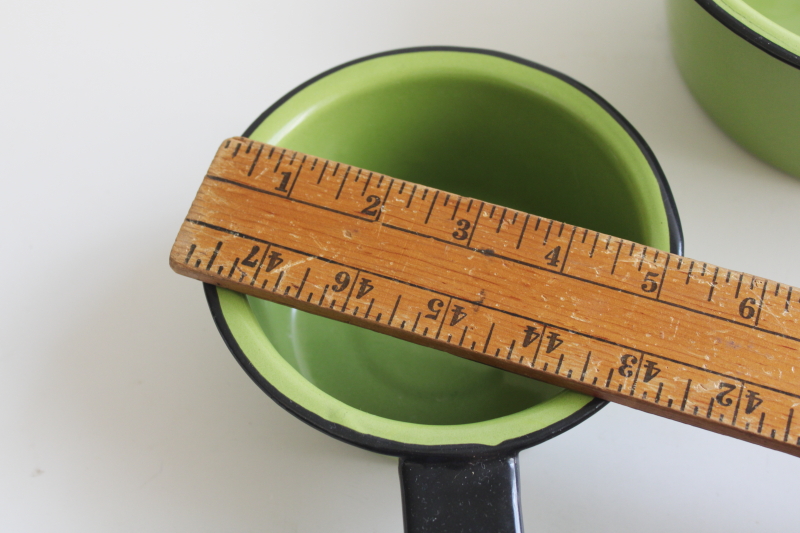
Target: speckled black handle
(461, 496)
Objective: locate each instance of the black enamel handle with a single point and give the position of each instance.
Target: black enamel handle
(461, 495)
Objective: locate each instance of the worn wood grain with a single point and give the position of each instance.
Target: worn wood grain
(666, 334)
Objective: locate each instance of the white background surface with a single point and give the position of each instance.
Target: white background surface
(120, 408)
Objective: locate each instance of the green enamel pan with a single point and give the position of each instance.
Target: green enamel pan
(448, 118)
(741, 61)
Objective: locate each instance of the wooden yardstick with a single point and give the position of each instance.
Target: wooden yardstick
(662, 333)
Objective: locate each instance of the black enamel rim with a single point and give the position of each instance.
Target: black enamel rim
(404, 449)
(749, 34)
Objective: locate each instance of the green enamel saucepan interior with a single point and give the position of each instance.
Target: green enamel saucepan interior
(741, 61)
(480, 124)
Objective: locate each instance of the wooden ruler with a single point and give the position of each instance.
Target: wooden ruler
(662, 333)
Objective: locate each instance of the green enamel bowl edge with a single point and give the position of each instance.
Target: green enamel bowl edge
(757, 15)
(751, 94)
(265, 359)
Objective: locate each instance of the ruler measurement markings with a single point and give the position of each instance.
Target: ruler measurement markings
(278, 281)
(411, 196)
(636, 375)
(788, 425)
(474, 224)
(641, 259)
(255, 160)
(761, 303)
(280, 158)
(524, 226)
(767, 424)
(394, 309)
(511, 349)
(502, 219)
(686, 394)
(341, 185)
(298, 200)
(192, 248)
(433, 204)
(609, 378)
(350, 292)
(547, 233)
(713, 284)
(214, 255)
(302, 283)
(594, 244)
(616, 258)
(444, 316)
(538, 346)
(322, 172)
(233, 267)
(385, 198)
(569, 247)
(621, 244)
(296, 176)
(260, 264)
(535, 266)
(560, 363)
(663, 276)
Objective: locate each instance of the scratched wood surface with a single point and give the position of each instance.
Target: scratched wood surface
(666, 334)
